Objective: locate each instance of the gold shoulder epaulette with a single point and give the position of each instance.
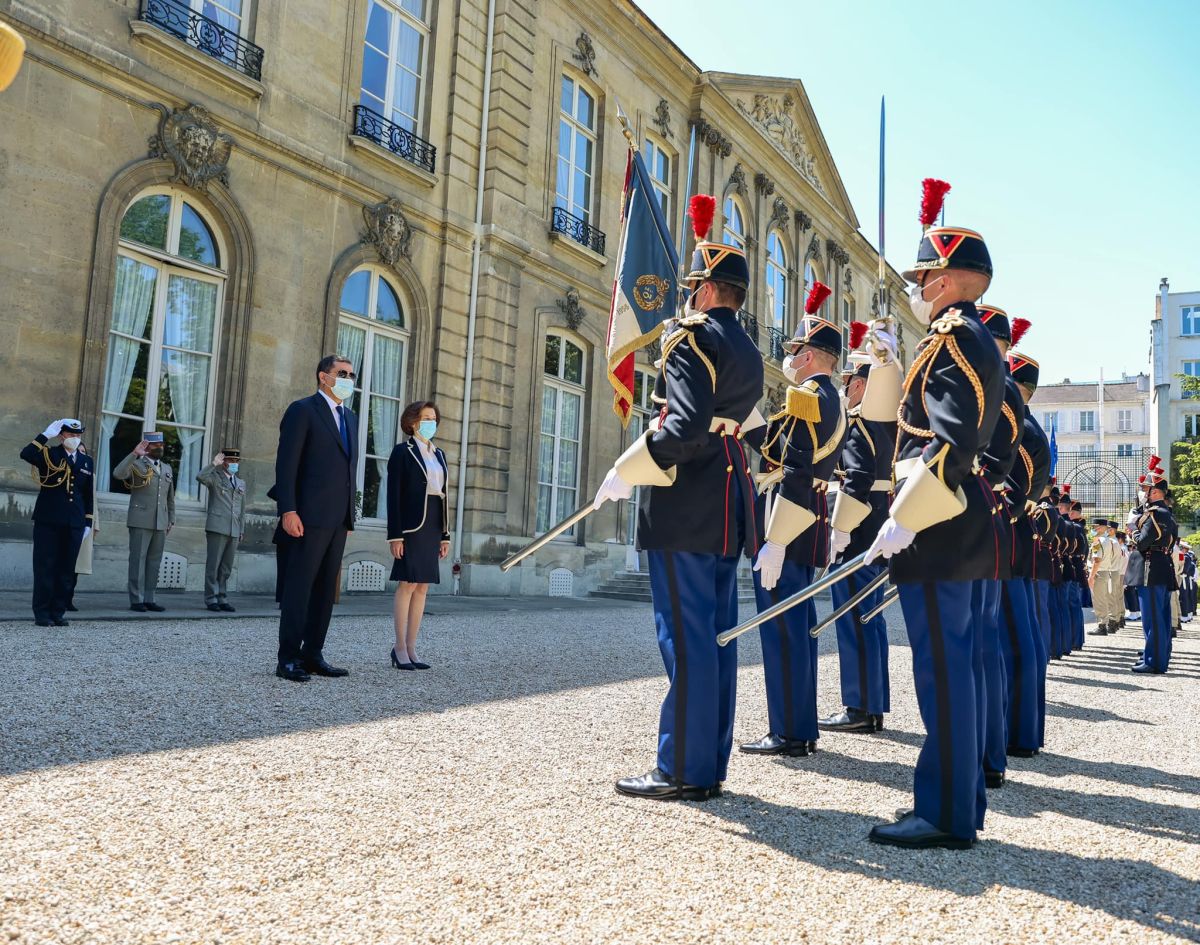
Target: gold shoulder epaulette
(948, 322)
(854, 412)
(803, 403)
(698, 318)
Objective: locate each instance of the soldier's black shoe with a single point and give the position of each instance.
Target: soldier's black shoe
(228, 608)
(292, 671)
(878, 717)
(1144, 668)
(138, 608)
(318, 667)
(44, 622)
(61, 622)
(657, 786)
(72, 608)
(913, 833)
(772, 744)
(215, 608)
(851, 720)
(993, 779)
(1013, 751)
(157, 608)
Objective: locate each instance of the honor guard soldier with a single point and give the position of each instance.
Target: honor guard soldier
(1107, 567)
(939, 534)
(62, 516)
(223, 528)
(1155, 532)
(696, 515)
(799, 454)
(151, 484)
(1060, 614)
(998, 459)
(1078, 554)
(1022, 599)
(860, 507)
(1187, 592)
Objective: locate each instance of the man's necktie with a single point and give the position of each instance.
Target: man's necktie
(341, 412)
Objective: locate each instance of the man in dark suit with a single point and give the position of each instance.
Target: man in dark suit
(62, 516)
(314, 488)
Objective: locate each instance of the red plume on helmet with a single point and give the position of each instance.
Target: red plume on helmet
(816, 295)
(1154, 461)
(933, 195)
(858, 331)
(1019, 327)
(701, 209)
(1066, 488)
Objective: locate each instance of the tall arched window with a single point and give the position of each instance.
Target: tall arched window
(734, 231)
(848, 313)
(394, 60)
(372, 334)
(576, 150)
(564, 389)
(639, 422)
(776, 281)
(163, 337)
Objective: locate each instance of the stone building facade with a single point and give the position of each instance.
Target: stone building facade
(198, 198)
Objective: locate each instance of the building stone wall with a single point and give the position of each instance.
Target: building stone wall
(77, 149)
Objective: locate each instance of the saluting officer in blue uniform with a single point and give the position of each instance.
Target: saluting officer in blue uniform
(939, 533)
(799, 454)
(696, 517)
(998, 459)
(1021, 639)
(860, 507)
(1155, 532)
(62, 516)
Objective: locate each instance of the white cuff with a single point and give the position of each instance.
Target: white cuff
(924, 500)
(788, 521)
(637, 467)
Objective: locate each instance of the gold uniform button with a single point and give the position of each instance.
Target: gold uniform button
(729, 469)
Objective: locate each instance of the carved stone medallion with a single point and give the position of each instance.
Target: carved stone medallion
(388, 230)
(774, 117)
(737, 180)
(779, 212)
(190, 139)
(763, 185)
(585, 54)
(662, 118)
(571, 308)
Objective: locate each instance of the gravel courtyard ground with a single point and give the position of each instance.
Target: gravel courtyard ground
(158, 784)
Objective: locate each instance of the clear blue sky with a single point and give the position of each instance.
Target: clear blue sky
(1069, 130)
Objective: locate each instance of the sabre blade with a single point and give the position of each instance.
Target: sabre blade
(876, 582)
(569, 522)
(884, 605)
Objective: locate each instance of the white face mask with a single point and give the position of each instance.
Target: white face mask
(790, 369)
(688, 310)
(71, 443)
(343, 389)
(922, 309)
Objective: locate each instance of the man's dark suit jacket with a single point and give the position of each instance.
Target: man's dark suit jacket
(314, 476)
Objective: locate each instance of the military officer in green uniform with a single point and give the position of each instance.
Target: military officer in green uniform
(151, 484)
(223, 528)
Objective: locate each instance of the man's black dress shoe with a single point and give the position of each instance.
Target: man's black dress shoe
(138, 608)
(215, 608)
(228, 608)
(293, 671)
(656, 786)
(41, 622)
(318, 667)
(1144, 668)
(1014, 752)
(62, 622)
(993, 779)
(157, 608)
(72, 608)
(772, 744)
(913, 833)
(851, 720)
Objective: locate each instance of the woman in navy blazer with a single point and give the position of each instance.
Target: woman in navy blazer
(418, 524)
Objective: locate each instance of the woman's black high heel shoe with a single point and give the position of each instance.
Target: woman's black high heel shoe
(398, 664)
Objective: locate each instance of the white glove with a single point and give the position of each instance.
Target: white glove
(892, 539)
(612, 489)
(53, 430)
(1132, 520)
(87, 530)
(839, 541)
(883, 337)
(769, 564)
(218, 459)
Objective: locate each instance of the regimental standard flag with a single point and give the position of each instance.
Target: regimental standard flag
(1053, 448)
(647, 282)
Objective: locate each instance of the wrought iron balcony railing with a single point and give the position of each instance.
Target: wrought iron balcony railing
(579, 230)
(768, 338)
(396, 138)
(208, 36)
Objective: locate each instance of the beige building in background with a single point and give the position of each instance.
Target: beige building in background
(1119, 422)
(198, 198)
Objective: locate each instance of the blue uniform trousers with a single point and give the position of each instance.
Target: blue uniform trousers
(863, 650)
(994, 730)
(1041, 608)
(55, 548)
(1075, 610)
(1156, 626)
(1059, 626)
(1021, 663)
(943, 620)
(695, 598)
(1085, 596)
(790, 656)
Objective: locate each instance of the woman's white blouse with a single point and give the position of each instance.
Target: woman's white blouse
(435, 475)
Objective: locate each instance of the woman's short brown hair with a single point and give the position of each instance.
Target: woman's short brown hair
(412, 415)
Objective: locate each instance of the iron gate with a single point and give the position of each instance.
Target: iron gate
(1106, 483)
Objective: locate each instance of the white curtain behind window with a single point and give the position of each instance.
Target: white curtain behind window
(191, 317)
(387, 367)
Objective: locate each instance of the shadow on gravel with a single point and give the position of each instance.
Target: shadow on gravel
(1064, 710)
(1132, 890)
(1101, 684)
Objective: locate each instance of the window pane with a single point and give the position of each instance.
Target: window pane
(118, 437)
(566, 505)
(184, 450)
(543, 509)
(387, 306)
(379, 26)
(183, 388)
(639, 384)
(352, 343)
(387, 367)
(125, 379)
(191, 314)
(573, 370)
(587, 108)
(546, 459)
(374, 489)
(583, 156)
(569, 423)
(383, 417)
(196, 241)
(355, 292)
(567, 96)
(408, 52)
(568, 454)
(553, 343)
(415, 7)
(133, 297)
(549, 406)
(562, 184)
(374, 73)
(146, 221)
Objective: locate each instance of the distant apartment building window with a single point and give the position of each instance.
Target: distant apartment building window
(1191, 369)
(1124, 449)
(1050, 420)
(1088, 449)
(1191, 320)
(1087, 421)
(1124, 421)
(1191, 425)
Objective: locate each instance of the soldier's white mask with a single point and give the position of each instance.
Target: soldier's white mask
(71, 443)
(921, 308)
(790, 369)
